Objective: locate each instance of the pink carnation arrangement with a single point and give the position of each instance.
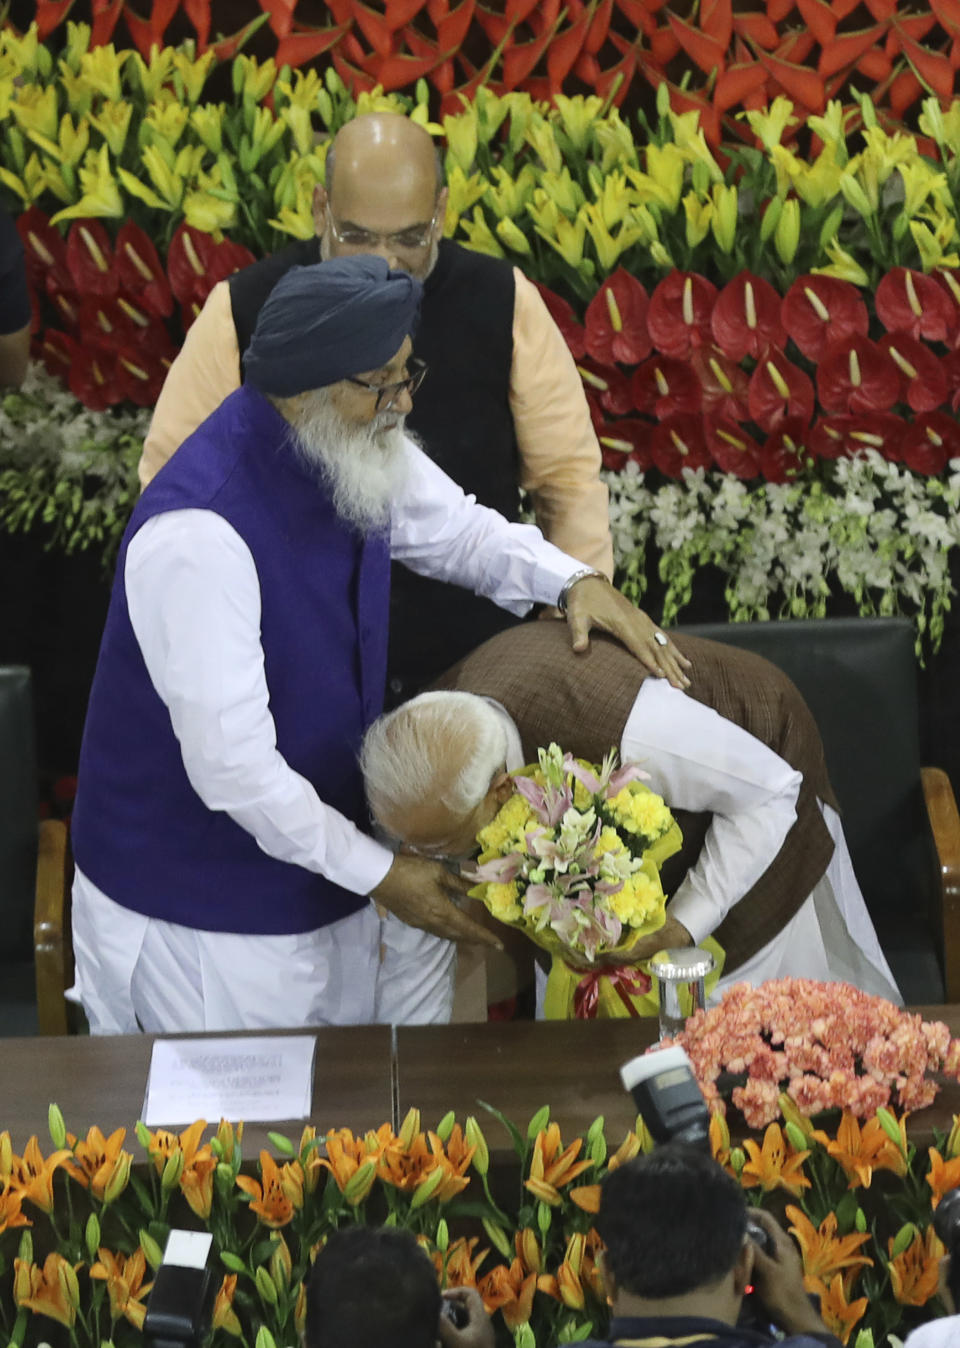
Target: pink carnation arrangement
(828, 1045)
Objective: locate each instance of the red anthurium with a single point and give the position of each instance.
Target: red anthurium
(817, 310)
(723, 385)
(627, 438)
(141, 274)
(678, 318)
(44, 250)
(662, 386)
(746, 317)
(678, 443)
(93, 377)
(778, 391)
(190, 254)
(90, 259)
(608, 385)
(103, 323)
(616, 321)
(856, 376)
(57, 350)
(842, 436)
(784, 451)
(908, 301)
(142, 327)
(949, 282)
(141, 374)
(566, 320)
(923, 381)
(951, 372)
(227, 258)
(734, 450)
(66, 303)
(931, 442)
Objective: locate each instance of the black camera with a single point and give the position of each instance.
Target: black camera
(456, 1312)
(181, 1301)
(946, 1223)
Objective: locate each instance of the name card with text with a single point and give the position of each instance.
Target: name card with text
(260, 1079)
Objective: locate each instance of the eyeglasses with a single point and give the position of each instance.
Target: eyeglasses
(387, 394)
(352, 236)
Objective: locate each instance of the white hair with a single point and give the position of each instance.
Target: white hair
(363, 466)
(407, 755)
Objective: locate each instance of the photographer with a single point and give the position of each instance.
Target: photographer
(373, 1287)
(678, 1259)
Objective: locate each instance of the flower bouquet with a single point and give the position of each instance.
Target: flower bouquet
(825, 1045)
(572, 860)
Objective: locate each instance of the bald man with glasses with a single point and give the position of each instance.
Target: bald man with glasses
(503, 407)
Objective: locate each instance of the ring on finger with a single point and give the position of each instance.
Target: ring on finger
(660, 638)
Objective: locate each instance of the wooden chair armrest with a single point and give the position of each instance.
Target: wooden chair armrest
(52, 942)
(945, 827)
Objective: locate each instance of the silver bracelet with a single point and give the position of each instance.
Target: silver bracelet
(568, 585)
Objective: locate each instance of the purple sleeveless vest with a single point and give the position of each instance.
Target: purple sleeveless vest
(140, 832)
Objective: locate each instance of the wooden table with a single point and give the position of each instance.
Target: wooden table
(102, 1081)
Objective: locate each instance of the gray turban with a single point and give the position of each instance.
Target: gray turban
(329, 322)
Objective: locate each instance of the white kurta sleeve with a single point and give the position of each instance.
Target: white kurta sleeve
(699, 761)
(439, 531)
(194, 602)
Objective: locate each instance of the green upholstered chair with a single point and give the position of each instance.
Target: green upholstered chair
(858, 676)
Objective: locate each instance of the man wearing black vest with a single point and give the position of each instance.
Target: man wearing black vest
(503, 405)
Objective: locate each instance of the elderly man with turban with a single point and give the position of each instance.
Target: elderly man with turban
(221, 864)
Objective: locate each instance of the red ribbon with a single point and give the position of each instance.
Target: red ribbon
(625, 979)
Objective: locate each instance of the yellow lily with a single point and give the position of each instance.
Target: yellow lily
(699, 218)
(73, 140)
(491, 111)
(786, 236)
(507, 196)
(666, 166)
(25, 51)
(101, 68)
(461, 134)
(377, 101)
(304, 92)
(35, 109)
(297, 219)
(113, 123)
(769, 126)
(692, 144)
(165, 119)
(615, 139)
(253, 80)
(265, 131)
(932, 244)
(842, 266)
(609, 247)
(724, 222)
(78, 44)
(832, 126)
(297, 120)
(137, 189)
(191, 75)
(864, 201)
(479, 237)
(209, 213)
(154, 75)
(462, 194)
(613, 199)
(578, 117)
(100, 196)
(206, 121)
(79, 91)
(539, 136)
(919, 182)
(544, 213)
(513, 237)
(563, 190)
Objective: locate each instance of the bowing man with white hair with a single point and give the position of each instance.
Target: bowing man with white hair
(223, 865)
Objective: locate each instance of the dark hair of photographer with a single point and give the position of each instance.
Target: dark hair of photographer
(678, 1258)
(374, 1286)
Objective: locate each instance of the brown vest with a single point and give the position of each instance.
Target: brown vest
(583, 701)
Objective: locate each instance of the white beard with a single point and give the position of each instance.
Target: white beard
(364, 467)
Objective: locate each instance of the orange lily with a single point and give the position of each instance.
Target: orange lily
(346, 1153)
(312, 1165)
(408, 1168)
(51, 1290)
(551, 1167)
(567, 1285)
(914, 1272)
(197, 1164)
(10, 1214)
(860, 1152)
(300, 1312)
(528, 1250)
(839, 1315)
(510, 1291)
(774, 1166)
(224, 1316)
(33, 1176)
(229, 1138)
(587, 1198)
(824, 1253)
(124, 1275)
(458, 1267)
(100, 1163)
(719, 1138)
(6, 1157)
(274, 1200)
(942, 1175)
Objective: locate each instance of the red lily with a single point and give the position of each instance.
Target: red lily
(784, 451)
(746, 317)
(724, 385)
(678, 443)
(923, 382)
(817, 310)
(779, 390)
(843, 436)
(856, 376)
(566, 320)
(616, 321)
(627, 438)
(90, 259)
(608, 385)
(734, 450)
(140, 271)
(678, 318)
(931, 442)
(907, 301)
(662, 386)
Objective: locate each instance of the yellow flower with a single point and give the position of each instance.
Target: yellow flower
(919, 182)
(462, 193)
(578, 117)
(832, 127)
(769, 126)
(153, 76)
(297, 119)
(561, 191)
(640, 810)
(209, 213)
(699, 218)
(252, 79)
(166, 119)
(539, 136)
(842, 266)
(24, 52)
(724, 221)
(786, 236)
(507, 196)
(608, 246)
(665, 167)
(36, 110)
(101, 68)
(775, 1165)
(305, 91)
(190, 75)
(931, 245)
(616, 142)
(461, 135)
(113, 123)
(502, 902)
(100, 196)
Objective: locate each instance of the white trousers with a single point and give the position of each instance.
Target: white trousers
(137, 973)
